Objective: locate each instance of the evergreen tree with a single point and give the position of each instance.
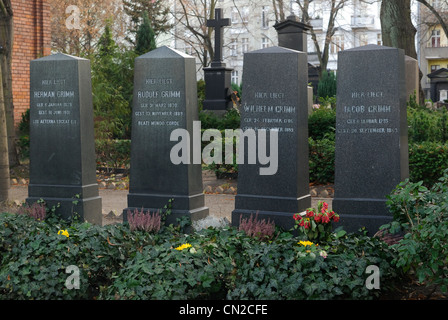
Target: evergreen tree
(111, 70)
(327, 85)
(157, 11)
(145, 41)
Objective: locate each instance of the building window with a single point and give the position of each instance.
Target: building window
(379, 39)
(435, 38)
(245, 11)
(235, 15)
(435, 67)
(264, 43)
(264, 17)
(363, 40)
(245, 45)
(337, 43)
(233, 47)
(235, 78)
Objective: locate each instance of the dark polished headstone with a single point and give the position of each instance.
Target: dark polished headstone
(217, 77)
(292, 34)
(165, 99)
(62, 145)
(275, 97)
(371, 134)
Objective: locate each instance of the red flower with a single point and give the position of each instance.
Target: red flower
(307, 223)
(325, 218)
(325, 205)
(318, 217)
(336, 218)
(309, 213)
(297, 216)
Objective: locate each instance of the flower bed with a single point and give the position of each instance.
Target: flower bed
(39, 259)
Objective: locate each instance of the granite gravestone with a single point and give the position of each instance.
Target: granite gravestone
(275, 98)
(62, 146)
(218, 77)
(165, 99)
(371, 156)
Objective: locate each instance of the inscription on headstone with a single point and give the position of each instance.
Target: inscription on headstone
(62, 147)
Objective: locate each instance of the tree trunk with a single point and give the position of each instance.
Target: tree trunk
(398, 30)
(4, 158)
(6, 34)
(396, 26)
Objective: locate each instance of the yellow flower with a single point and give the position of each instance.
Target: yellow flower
(64, 233)
(306, 243)
(184, 246)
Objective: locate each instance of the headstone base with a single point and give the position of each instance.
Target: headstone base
(87, 207)
(357, 213)
(269, 209)
(217, 86)
(191, 206)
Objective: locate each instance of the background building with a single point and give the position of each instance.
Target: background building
(357, 23)
(432, 44)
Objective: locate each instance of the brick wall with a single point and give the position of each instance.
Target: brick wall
(32, 39)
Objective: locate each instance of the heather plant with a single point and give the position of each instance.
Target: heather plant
(37, 210)
(149, 222)
(255, 228)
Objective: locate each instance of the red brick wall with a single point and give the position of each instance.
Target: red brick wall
(32, 39)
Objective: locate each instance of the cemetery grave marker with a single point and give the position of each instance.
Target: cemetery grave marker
(371, 155)
(62, 146)
(275, 98)
(165, 99)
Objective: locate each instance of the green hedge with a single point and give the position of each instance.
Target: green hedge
(425, 125)
(115, 263)
(427, 161)
(113, 154)
(321, 160)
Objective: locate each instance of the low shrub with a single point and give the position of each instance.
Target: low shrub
(322, 123)
(286, 269)
(422, 214)
(321, 160)
(427, 161)
(427, 125)
(113, 154)
(116, 263)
